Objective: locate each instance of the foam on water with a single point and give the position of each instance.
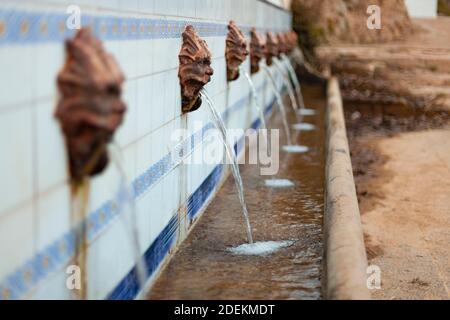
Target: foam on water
(279, 183)
(304, 127)
(261, 248)
(306, 112)
(295, 149)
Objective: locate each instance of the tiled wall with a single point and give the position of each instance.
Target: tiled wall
(36, 233)
(422, 8)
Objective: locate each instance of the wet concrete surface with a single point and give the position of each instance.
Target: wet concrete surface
(204, 269)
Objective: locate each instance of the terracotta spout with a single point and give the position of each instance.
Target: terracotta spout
(283, 46)
(271, 48)
(257, 49)
(292, 40)
(195, 69)
(90, 107)
(236, 51)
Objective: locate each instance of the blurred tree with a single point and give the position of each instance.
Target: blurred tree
(444, 7)
(344, 21)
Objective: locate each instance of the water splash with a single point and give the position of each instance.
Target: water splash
(280, 104)
(288, 85)
(306, 112)
(255, 98)
(126, 199)
(260, 248)
(279, 183)
(304, 127)
(295, 149)
(220, 125)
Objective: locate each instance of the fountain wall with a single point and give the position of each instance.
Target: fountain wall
(36, 232)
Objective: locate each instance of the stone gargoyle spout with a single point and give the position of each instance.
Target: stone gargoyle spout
(236, 51)
(271, 48)
(257, 49)
(195, 69)
(90, 107)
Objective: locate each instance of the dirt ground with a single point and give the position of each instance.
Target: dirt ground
(415, 70)
(403, 183)
(408, 230)
(397, 112)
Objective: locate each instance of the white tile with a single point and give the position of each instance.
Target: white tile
(110, 4)
(16, 239)
(186, 8)
(103, 187)
(49, 61)
(147, 6)
(109, 259)
(127, 131)
(129, 5)
(171, 190)
(52, 159)
(145, 207)
(145, 53)
(167, 7)
(53, 217)
(157, 106)
(165, 55)
(53, 288)
(205, 9)
(128, 58)
(17, 74)
(144, 106)
(144, 149)
(158, 216)
(16, 162)
(170, 96)
(114, 48)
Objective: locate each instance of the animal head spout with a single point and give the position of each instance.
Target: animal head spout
(195, 69)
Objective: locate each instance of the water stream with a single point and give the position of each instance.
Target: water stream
(220, 125)
(79, 205)
(255, 98)
(126, 202)
(280, 105)
(294, 78)
(288, 83)
(298, 89)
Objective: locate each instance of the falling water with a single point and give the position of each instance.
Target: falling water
(126, 199)
(260, 248)
(218, 122)
(303, 110)
(280, 104)
(79, 205)
(288, 85)
(255, 98)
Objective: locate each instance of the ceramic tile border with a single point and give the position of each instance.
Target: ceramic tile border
(30, 27)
